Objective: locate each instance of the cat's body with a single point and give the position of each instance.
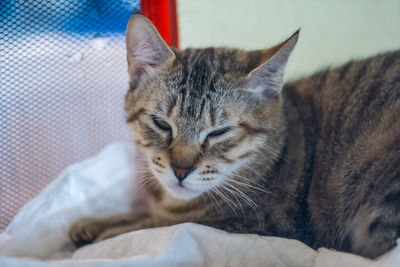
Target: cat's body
(354, 196)
(318, 162)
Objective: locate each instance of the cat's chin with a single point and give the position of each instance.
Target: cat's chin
(182, 192)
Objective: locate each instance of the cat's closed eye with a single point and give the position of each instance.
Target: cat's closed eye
(218, 132)
(161, 124)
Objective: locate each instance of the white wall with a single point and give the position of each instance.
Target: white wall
(332, 31)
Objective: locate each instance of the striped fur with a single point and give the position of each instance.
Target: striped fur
(318, 162)
(355, 191)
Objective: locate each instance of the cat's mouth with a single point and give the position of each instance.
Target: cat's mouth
(192, 185)
(181, 190)
(185, 190)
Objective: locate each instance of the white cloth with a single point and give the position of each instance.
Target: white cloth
(104, 185)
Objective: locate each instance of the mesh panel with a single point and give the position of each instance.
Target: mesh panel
(63, 77)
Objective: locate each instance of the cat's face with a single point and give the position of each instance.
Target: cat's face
(201, 116)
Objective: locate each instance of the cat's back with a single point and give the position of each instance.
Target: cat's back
(356, 109)
(363, 86)
(356, 177)
(353, 102)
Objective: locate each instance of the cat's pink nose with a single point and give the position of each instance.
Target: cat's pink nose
(181, 172)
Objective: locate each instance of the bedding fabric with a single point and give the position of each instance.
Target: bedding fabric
(106, 184)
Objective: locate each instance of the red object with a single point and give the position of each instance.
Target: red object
(164, 16)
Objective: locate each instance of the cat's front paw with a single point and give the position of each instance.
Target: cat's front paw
(85, 231)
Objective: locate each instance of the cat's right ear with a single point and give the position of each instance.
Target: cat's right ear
(146, 50)
(267, 79)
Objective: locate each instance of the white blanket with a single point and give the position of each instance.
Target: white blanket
(105, 184)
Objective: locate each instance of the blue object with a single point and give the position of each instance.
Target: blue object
(70, 16)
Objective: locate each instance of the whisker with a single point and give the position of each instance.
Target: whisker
(252, 205)
(250, 184)
(143, 181)
(247, 185)
(252, 170)
(275, 153)
(238, 200)
(214, 200)
(143, 171)
(262, 189)
(224, 198)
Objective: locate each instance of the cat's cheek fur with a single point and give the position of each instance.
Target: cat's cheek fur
(137, 136)
(241, 156)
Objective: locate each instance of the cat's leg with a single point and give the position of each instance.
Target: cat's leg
(234, 225)
(149, 222)
(374, 231)
(87, 230)
(238, 225)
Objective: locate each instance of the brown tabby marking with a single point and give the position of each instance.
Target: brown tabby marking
(359, 137)
(136, 115)
(171, 107)
(228, 146)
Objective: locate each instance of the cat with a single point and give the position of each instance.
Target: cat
(229, 146)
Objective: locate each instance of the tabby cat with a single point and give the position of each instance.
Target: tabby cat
(227, 145)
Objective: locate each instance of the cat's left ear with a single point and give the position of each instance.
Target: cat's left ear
(267, 79)
(146, 50)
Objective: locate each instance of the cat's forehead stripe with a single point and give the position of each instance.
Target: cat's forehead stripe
(196, 84)
(171, 107)
(134, 116)
(183, 96)
(203, 103)
(212, 115)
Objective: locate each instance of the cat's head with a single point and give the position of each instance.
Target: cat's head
(204, 117)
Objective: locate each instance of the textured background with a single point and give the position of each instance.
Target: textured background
(63, 77)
